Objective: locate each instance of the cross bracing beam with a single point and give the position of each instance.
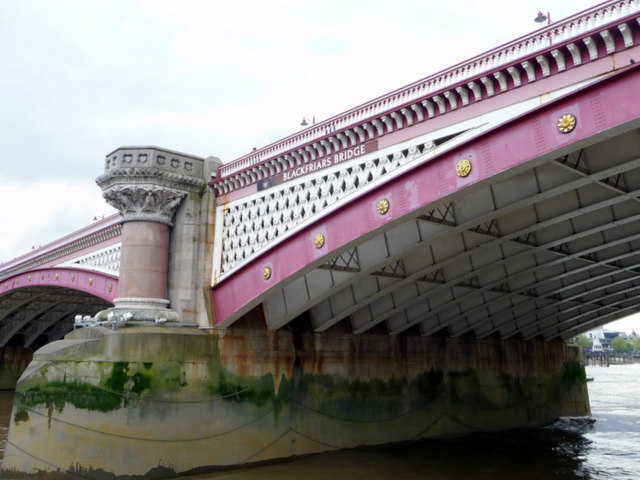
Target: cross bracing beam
(512, 324)
(35, 328)
(28, 313)
(20, 299)
(561, 329)
(53, 324)
(527, 272)
(544, 325)
(346, 261)
(373, 255)
(575, 327)
(530, 272)
(492, 326)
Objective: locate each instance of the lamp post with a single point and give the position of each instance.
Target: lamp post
(305, 121)
(541, 17)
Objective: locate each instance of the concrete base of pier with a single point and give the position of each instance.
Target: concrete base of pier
(157, 401)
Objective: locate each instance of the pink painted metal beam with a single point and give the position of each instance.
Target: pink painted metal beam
(604, 105)
(94, 283)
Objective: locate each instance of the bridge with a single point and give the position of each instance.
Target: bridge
(495, 201)
(44, 290)
(495, 197)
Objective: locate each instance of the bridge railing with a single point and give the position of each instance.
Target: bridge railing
(539, 40)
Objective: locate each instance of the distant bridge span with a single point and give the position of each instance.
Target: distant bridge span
(41, 292)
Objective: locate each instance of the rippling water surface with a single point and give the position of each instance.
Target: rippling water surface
(614, 439)
(605, 446)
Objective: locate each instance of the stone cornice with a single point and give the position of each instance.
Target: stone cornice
(155, 158)
(150, 176)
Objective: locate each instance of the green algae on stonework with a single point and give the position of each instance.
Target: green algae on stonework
(244, 392)
(80, 395)
(118, 378)
(119, 388)
(574, 372)
(429, 384)
(261, 391)
(323, 386)
(121, 382)
(21, 415)
(258, 391)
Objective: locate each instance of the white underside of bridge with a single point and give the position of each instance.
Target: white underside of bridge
(548, 251)
(545, 251)
(46, 312)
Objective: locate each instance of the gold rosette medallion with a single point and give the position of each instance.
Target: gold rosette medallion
(566, 123)
(383, 206)
(463, 168)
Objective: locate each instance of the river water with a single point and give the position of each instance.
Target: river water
(604, 446)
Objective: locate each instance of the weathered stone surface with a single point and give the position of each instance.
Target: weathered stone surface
(159, 401)
(13, 361)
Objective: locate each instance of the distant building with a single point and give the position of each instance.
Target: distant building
(601, 339)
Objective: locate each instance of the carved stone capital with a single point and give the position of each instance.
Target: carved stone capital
(148, 183)
(144, 202)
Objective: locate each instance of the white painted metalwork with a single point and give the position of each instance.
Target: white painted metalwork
(105, 260)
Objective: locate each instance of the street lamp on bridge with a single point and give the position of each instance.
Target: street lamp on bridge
(542, 17)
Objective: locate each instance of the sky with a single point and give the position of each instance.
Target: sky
(80, 78)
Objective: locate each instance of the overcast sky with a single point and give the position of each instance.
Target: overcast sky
(79, 79)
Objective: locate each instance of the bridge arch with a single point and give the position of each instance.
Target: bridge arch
(543, 242)
(38, 306)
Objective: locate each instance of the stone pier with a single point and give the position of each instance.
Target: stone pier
(153, 402)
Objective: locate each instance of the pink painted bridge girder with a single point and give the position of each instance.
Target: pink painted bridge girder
(608, 104)
(92, 282)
